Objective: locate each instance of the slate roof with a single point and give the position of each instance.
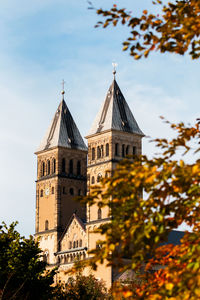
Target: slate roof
(115, 114)
(174, 237)
(62, 131)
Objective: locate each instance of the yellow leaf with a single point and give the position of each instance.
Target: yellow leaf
(169, 286)
(127, 294)
(197, 291)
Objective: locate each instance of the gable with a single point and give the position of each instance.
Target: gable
(74, 236)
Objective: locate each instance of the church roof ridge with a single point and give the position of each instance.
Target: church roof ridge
(115, 114)
(62, 131)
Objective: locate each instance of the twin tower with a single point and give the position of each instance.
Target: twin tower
(66, 168)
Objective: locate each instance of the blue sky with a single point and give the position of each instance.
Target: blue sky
(43, 42)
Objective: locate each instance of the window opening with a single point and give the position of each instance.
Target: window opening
(116, 149)
(54, 166)
(123, 150)
(79, 168)
(71, 166)
(48, 167)
(46, 225)
(98, 152)
(63, 165)
(71, 191)
(107, 149)
(93, 153)
(99, 214)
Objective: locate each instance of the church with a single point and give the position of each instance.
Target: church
(67, 168)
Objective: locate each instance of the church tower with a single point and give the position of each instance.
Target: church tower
(61, 176)
(113, 136)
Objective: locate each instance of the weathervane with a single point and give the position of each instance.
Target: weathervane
(114, 64)
(63, 87)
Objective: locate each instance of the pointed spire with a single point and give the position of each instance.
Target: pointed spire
(115, 114)
(62, 131)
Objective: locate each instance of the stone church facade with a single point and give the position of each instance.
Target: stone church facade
(66, 168)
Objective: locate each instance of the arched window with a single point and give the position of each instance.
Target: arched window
(134, 150)
(54, 166)
(71, 191)
(74, 244)
(46, 257)
(48, 167)
(64, 191)
(123, 150)
(41, 193)
(71, 166)
(107, 149)
(70, 245)
(98, 152)
(127, 150)
(93, 153)
(99, 214)
(102, 152)
(46, 225)
(99, 177)
(106, 174)
(43, 168)
(116, 149)
(78, 167)
(80, 243)
(52, 190)
(93, 180)
(63, 165)
(79, 192)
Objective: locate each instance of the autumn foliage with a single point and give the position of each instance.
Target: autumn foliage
(148, 198)
(174, 28)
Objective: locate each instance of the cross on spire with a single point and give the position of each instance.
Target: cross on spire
(114, 64)
(63, 87)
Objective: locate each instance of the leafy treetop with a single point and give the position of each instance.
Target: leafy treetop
(176, 29)
(150, 198)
